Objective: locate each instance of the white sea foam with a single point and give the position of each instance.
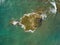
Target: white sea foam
(32, 31)
(29, 14)
(44, 16)
(22, 26)
(53, 10)
(14, 22)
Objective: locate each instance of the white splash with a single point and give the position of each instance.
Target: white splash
(22, 26)
(53, 10)
(44, 16)
(29, 14)
(30, 31)
(14, 22)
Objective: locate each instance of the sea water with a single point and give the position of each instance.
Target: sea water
(47, 34)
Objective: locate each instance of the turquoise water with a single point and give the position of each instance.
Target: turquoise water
(47, 34)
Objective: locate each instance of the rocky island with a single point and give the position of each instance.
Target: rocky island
(31, 21)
